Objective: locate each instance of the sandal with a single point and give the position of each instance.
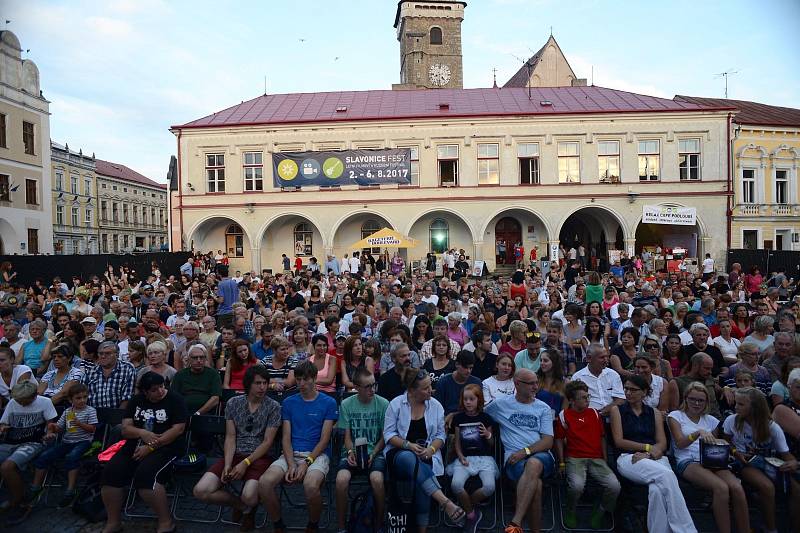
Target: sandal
(458, 513)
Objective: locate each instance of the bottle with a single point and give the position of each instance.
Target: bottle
(71, 426)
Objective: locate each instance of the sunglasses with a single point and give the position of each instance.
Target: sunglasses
(651, 346)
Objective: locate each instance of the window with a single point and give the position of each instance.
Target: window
(368, 228)
(144, 216)
(215, 172)
(689, 159)
(113, 187)
(748, 186)
(153, 216)
(234, 241)
(140, 242)
(436, 35)
(488, 164)
(124, 189)
(303, 238)
(28, 138)
(59, 185)
(608, 161)
(439, 236)
(104, 242)
(528, 154)
(31, 192)
(73, 187)
(3, 131)
(649, 160)
(125, 242)
(448, 165)
(33, 241)
(114, 212)
(569, 162)
(160, 217)
(60, 215)
(87, 186)
(103, 211)
(76, 246)
(115, 242)
(88, 218)
(414, 175)
(104, 186)
(253, 171)
(750, 239)
(5, 191)
(75, 223)
(125, 213)
(781, 187)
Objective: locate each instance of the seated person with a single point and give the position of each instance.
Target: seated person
(448, 389)
(198, 384)
(56, 383)
(110, 381)
(251, 424)
(241, 359)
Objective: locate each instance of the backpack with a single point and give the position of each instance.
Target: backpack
(362, 513)
(89, 503)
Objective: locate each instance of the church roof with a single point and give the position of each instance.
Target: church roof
(751, 113)
(522, 76)
(345, 106)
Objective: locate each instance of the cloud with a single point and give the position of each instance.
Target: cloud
(108, 27)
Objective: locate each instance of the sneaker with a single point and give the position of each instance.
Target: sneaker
(16, 515)
(598, 519)
(248, 521)
(570, 519)
(68, 499)
(471, 524)
(513, 528)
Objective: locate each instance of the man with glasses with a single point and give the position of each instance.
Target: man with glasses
(252, 420)
(361, 416)
(111, 381)
(390, 384)
(526, 429)
(605, 385)
(199, 384)
(308, 419)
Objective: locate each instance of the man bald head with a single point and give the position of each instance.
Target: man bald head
(527, 384)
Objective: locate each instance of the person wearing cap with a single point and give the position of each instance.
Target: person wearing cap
(111, 331)
(147, 295)
(90, 329)
(22, 427)
(529, 357)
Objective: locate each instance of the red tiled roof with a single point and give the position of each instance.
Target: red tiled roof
(116, 170)
(427, 104)
(751, 113)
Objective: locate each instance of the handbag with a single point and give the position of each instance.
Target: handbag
(715, 456)
(400, 516)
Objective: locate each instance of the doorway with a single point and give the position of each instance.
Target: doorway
(508, 231)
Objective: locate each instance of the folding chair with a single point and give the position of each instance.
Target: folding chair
(208, 424)
(472, 485)
(549, 496)
(590, 493)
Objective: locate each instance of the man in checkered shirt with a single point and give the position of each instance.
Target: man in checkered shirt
(111, 381)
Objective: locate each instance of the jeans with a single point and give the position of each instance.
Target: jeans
(402, 469)
(600, 472)
(72, 452)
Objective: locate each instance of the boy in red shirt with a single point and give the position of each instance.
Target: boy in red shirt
(581, 448)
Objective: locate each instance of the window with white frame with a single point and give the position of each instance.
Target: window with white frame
(748, 186)
(488, 164)
(104, 242)
(87, 186)
(448, 164)
(60, 215)
(75, 217)
(88, 218)
(608, 161)
(5, 188)
(234, 241)
(59, 185)
(781, 187)
(125, 218)
(136, 214)
(750, 239)
(528, 155)
(689, 159)
(253, 171)
(569, 162)
(114, 212)
(215, 172)
(73, 186)
(304, 235)
(103, 211)
(414, 160)
(649, 160)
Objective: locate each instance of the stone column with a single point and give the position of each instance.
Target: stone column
(630, 247)
(255, 260)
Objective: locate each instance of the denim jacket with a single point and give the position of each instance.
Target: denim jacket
(398, 420)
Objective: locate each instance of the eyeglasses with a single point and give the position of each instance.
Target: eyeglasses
(651, 346)
(249, 427)
(373, 386)
(197, 357)
(632, 389)
(527, 382)
(696, 400)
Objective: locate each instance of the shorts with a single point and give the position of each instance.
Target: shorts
(378, 465)
(151, 469)
(321, 464)
(681, 467)
(254, 471)
(20, 454)
(514, 472)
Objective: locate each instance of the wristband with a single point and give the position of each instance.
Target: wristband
(692, 437)
(433, 450)
(405, 444)
(350, 451)
(527, 451)
(247, 461)
(149, 447)
(310, 460)
(647, 448)
(562, 464)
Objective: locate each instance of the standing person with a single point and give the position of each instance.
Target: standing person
(227, 295)
(152, 426)
(526, 429)
(584, 452)
(708, 267)
(362, 416)
(307, 424)
(689, 425)
(77, 423)
(638, 432)
(251, 424)
(22, 427)
(474, 446)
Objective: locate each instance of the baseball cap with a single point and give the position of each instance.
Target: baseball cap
(650, 309)
(89, 320)
(341, 335)
(113, 324)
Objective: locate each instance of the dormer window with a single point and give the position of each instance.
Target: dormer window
(436, 35)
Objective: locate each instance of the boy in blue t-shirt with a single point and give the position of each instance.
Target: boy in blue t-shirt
(308, 419)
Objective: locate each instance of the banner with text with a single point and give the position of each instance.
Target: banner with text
(346, 167)
(658, 214)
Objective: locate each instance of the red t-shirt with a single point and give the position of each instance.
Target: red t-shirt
(583, 434)
(298, 263)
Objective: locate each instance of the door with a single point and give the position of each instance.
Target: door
(509, 232)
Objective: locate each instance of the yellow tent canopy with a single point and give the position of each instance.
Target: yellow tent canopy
(387, 238)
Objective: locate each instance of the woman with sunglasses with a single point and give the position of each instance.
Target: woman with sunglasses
(638, 432)
(689, 425)
(651, 347)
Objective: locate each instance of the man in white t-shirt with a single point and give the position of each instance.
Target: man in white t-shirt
(708, 266)
(355, 263)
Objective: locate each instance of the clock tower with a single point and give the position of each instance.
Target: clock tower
(429, 32)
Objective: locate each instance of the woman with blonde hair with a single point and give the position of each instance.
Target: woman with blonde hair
(157, 362)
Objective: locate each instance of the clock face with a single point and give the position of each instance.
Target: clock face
(439, 74)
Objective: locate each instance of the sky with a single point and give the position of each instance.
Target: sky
(119, 73)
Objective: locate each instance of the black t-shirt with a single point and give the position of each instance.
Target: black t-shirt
(486, 368)
(389, 385)
(436, 375)
(713, 351)
(471, 441)
(169, 411)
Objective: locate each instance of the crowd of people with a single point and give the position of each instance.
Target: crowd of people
(622, 378)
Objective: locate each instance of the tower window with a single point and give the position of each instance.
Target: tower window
(436, 35)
